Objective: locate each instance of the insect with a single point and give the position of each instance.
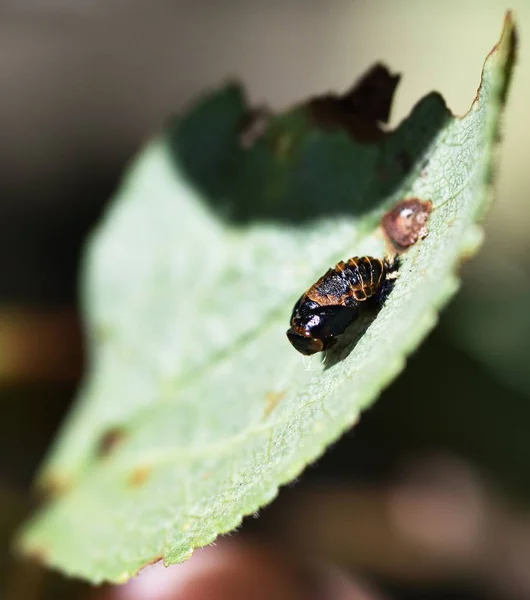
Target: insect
(406, 223)
(329, 306)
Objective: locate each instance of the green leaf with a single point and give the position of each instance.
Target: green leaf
(196, 408)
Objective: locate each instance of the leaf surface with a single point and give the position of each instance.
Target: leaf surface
(196, 408)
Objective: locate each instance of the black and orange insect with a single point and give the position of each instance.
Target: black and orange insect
(334, 302)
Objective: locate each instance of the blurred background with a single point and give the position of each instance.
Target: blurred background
(430, 496)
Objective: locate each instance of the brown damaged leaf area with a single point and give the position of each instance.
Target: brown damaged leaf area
(110, 441)
(139, 476)
(361, 110)
(272, 399)
(55, 485)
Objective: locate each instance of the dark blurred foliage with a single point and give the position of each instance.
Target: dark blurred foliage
(466, 413)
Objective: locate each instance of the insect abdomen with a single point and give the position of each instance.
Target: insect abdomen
(355, 280)
(365, 275)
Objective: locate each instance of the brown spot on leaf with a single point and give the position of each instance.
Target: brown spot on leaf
(406, 223)
(139, 476)
(272, 399)
(109, 441)
(362, 109)
(55, 484)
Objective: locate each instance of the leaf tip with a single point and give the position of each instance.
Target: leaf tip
(505, 53)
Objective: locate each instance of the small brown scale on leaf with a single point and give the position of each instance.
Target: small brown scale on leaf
(109, 441)
(334, 302)
(406, 223)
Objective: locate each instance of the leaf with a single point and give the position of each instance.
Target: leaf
(196, 408)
